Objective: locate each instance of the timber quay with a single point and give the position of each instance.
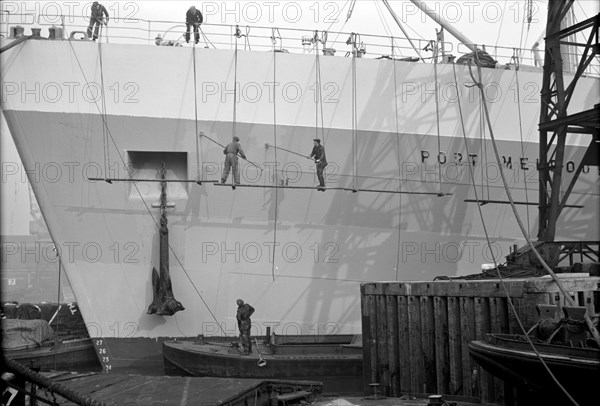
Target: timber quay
(416, 335)
(61, 388)
(102, 389)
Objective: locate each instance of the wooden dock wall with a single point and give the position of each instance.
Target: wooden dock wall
(415, 334)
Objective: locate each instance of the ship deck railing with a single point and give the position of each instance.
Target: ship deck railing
(261, 38)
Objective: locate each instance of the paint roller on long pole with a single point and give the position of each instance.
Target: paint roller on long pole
(288, 150)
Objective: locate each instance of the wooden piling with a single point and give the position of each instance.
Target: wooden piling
(416, 334)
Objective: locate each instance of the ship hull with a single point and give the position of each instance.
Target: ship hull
(297, 255)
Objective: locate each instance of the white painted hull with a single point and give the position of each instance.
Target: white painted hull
(223, 241)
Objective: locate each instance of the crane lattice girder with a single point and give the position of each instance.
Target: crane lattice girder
(555, 121)
(588, 121)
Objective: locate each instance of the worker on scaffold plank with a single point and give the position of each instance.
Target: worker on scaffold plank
(318, 154)
(231, 152)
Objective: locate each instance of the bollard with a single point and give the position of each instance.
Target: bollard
(375, 395)
(16, 31)
(55, 33)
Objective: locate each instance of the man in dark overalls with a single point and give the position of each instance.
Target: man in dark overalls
(231, 152)
(97, 19)
(244, 312)
(318, 153)
(193, 17)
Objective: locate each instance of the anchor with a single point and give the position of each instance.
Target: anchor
(164, 302)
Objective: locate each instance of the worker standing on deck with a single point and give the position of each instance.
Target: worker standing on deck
(193, 17)
(97, 19)
(231, 152)
(318, 153)
(244, 312)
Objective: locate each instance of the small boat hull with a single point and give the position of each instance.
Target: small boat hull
(75, 354)
(339, 369)
(514, 361)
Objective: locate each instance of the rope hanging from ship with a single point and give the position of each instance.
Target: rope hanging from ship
(319, 101)
(198, 170)
(104, 115)
(276, 214)
(354, 125)
(487, 237)
(235, 90)
(398, 160)
(437, 116)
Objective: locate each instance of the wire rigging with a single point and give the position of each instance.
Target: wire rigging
(335, 20)
(318, 89)
(398, 159)
(317, 84)
(437, 121)
(198, 172)
(501, 22)
(104, 123)
(235, 88)
(354, 120)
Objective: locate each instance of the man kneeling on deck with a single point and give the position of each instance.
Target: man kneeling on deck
(244, 312)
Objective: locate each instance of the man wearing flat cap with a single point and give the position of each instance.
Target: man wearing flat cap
(231, 152)
(318, 154)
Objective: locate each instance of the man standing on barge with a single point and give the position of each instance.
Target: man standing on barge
(244, 312)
